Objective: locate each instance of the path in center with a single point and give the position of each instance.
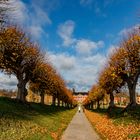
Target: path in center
(80, 129)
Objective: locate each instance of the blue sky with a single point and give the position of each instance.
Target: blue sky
(77, 35)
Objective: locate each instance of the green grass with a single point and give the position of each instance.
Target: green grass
(132, 116)
(32, 121)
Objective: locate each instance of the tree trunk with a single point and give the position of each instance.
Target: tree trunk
(53, 100)
(67, 105)
(132, 82)
(88, 106)
(132, 95)
(58, 101)
(91, 105)
(95, 105)
(22, 91)
(62, 103)
(42, 98)
(102, 103)
(98, 104)
(111, 103)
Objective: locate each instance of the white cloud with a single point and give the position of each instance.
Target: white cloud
(83, 46)
(126, 31)
(112, 49)
(62, 61)
(37, 31)
(19, 11)
(65, 31)
(98, 59)
(86, 47)
(32, 13)
(31, 16)
(79, 72)
(8, 82)
(40, 16)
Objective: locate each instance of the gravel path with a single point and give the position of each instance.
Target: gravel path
(80, 129)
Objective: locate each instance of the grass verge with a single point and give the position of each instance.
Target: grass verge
(32, 121)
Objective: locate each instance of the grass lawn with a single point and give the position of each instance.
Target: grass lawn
(32, 121)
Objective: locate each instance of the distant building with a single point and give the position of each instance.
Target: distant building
(79, 96)
(123, 98)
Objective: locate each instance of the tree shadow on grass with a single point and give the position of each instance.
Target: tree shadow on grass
(13, 109)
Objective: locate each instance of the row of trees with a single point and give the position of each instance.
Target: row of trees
(122, 69)
(22, 57)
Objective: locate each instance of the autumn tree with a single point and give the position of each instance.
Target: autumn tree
(126, 63)
(60, 92)
(86, 102)
(96, 94)
(45, 80)
(110, 83)
(123, 68)
(19, 56)
(41, 79)
(67, 97)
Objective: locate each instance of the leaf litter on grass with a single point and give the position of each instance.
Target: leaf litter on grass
(105, 126)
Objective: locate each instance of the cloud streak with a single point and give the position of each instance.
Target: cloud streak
(126, 31)
(62, 61)
(8, 82)
(33, 21)
(85, 46)
(65, 31)
(80, 70)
